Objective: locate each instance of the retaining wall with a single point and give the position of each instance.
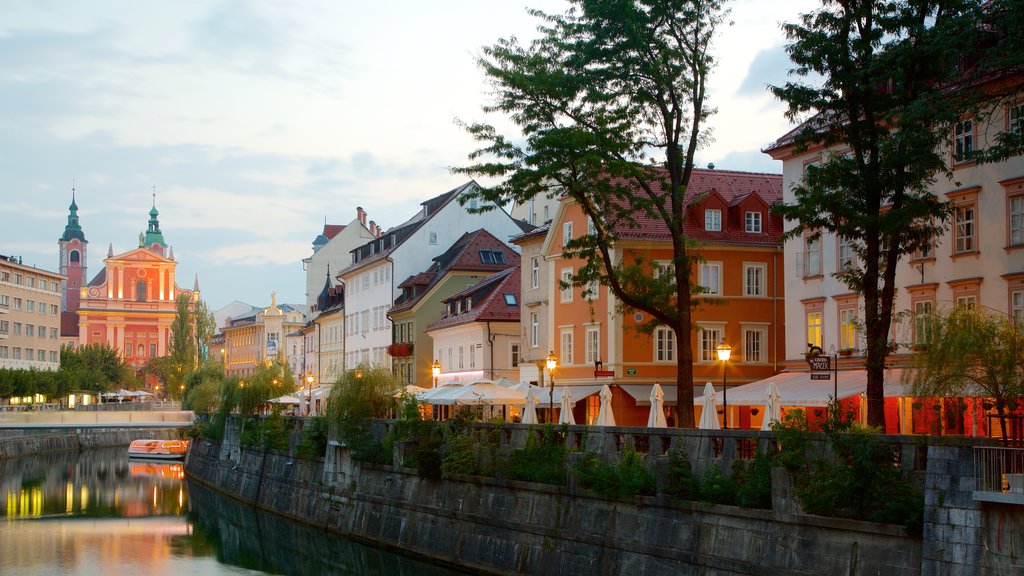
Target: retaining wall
(27, 443)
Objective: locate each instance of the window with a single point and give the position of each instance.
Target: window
(845, 254)
(566, 346)
(432, 238)
(964, 230)
(492, 257)
(923, 320)
(364, 321)
(664, 345)
(514, 355)
(709, 340)
(4, 326)
(593, 344)
(17, 279)
(591, 229)
(566, 232)
(30, 330)
(710, 277)
(53, 333)
(41, 331)
(547, 213)
(510, 299)
(53, 356)
(4, 351)
(712, 220)
(30, 305)
(31, 281)
(17, 303)
(462, 355)
(753, 222)
(41, 355)
(535, 272)
(754, 344)
(814, 328)
(472, 356)
(963, 141)
(5, 301)
(17, 353)
(566, 285)
(592, 291)
(534, 329)
(809, 262)
(847, 328)
(1017, 307)
(29, 352)
(1015, 119)
(1016, 220)
(140, 291)
(75, 257)
(128, 349)
(967, 301)
(753, 279)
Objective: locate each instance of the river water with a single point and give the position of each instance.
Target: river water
(98, 513)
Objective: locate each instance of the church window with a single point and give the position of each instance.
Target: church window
(75, 257)
(140, 291)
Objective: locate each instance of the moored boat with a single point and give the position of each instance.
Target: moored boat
(158, 449)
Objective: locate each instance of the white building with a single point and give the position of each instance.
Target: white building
(377, 267)
(332, 248)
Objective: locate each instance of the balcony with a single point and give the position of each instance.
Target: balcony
(808, 264)
(999, 473)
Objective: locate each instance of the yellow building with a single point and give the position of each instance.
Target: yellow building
(30, 301)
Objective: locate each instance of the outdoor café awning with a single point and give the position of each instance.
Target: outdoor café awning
(482, 393)
(642, 392)
(578, 393)
(797, 388)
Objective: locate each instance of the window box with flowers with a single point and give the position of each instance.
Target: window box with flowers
(400, 349)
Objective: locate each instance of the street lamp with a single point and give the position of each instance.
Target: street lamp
(552, 362)
(309, 392)
(435, 369)
(724, 351)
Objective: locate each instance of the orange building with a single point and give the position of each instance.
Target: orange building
(130, 303)
(741, 262)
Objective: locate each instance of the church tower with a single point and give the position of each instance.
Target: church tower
(73, 265)
(153, 238)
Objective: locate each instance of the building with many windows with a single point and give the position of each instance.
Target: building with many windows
(978, 261)
(534, 306)
(741, 261)
(30, 303)
(261, 335)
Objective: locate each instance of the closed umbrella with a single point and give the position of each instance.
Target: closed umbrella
(565, 413)
(709, 414)
(530, 411)
(605, 416)
(657, 416)
(772, 408)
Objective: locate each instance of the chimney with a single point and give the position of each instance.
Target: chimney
(374, 229)
(361, 215)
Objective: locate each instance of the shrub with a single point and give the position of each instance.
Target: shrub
(681, 481)
(627, 478)
(754, 482)
(314, 438)
(459, 458)
(540, 461)
(717, 488)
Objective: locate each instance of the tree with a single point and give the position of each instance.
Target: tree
(971, 352)
(96, 367)
(205, 328)
(359, 396)
(886, 80)
(182, 346)
(607, 84)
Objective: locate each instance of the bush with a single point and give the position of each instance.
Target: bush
(358, 397)
(268, 432)
(314, 439)
(754, 482)
(460, 457)
(627, 478)
(717, 488)
(681, 481)
(540, 461)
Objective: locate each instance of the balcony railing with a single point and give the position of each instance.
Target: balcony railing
(808, 264)
(999, 469)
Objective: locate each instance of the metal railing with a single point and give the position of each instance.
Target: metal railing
(999, 469)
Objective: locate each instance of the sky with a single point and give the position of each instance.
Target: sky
(254, 122)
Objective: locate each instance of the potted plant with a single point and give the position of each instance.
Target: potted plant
(847, 352)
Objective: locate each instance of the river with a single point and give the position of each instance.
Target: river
(99, 513)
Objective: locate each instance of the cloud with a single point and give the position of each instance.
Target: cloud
(769, 67)
(257, 253)
(749, 161)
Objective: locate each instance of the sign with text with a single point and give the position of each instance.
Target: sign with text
(630, 371)
(821, 375)
(819, 363)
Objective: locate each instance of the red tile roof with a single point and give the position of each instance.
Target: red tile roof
(734, 188)
(492, 307)
(332, 230)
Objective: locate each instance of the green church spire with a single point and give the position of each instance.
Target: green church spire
(73, 228)
(153, 233)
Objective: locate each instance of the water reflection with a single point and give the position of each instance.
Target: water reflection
(96, 512)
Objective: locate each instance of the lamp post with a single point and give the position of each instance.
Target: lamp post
(724, 351)
(309, 393)
(435, 369)
(551, 361)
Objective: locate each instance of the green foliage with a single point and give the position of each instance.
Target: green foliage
(268, 380)
(793, 436)
(269, 432)
(717, 488)
(181, 348)
(460, 456)
(605, 85)
(203, 386)
(629, 477)
(542, 461)
(970, 352)
(96, 367)
(359, 396)
(681, 481)
(314, 438)
(17, 382)
(753, 482)
(866, 78)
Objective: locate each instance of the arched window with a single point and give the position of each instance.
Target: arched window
(140, 291)
(75, 257)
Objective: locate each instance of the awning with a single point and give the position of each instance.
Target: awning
(797, 388)
(642, 393)
(578, 393)
(477, 394)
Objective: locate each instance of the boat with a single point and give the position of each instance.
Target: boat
(158, 449)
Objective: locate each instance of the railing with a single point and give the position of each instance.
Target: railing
(998, 469)
(808, 264)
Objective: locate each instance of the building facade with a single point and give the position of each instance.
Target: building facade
(332, 250)
(30, 316)
(534, 306)
(260, 336)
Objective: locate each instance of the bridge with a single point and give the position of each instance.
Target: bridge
(98, 419)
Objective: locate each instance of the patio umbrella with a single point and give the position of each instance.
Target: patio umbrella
(657, 416)
(605, 416)
(410, 390)
(709, 415)
(286, 399)
(565, 414)
(772, 408)
(530, 411)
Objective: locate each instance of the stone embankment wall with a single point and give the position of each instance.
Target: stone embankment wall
(504, 527)
(15, 443)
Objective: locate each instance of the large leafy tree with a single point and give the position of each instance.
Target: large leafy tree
(883, 82)
(607, 85)
(972, 352)
(96, 367)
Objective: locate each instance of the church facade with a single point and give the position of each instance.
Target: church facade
(130, 303)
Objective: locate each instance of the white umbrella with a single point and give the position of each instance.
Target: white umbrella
(565, 414)
(709, 415)
(657, 416)
(286, 399)
(772, 408)
(410, 390)
(605, 416)
(530, 411)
